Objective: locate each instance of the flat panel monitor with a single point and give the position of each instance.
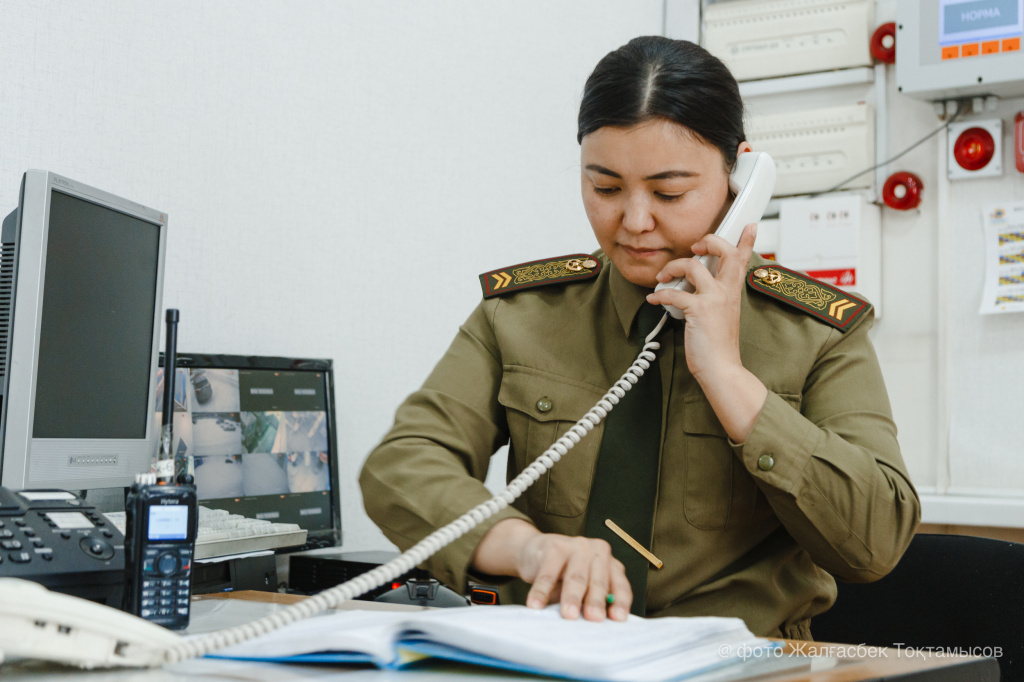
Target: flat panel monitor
(258, 434)
(81, 290)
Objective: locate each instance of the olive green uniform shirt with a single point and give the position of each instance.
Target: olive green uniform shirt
(736, 538)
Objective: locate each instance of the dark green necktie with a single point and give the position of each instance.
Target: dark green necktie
(626, 475)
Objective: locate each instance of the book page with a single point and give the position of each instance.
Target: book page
(541, 640)
(369, 635)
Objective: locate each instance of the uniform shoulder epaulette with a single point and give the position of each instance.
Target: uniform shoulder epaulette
(539, 273)
(825, 302)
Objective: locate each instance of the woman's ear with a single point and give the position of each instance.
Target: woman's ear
(744, 147)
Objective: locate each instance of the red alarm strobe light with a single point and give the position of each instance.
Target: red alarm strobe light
(974, 149)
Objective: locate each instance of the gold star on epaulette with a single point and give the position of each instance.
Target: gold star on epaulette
(823, 301)
(572, 268)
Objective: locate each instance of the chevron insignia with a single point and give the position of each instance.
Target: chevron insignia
(823, 301)
(538, 273)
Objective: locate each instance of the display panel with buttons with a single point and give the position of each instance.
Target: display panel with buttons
(53, 538)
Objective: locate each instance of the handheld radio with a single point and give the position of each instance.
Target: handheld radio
(161, 514)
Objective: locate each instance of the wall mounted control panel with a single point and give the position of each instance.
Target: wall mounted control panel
(960, 48)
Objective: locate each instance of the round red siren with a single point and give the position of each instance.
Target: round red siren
(883, 43)
(902, 191)
(974, 148)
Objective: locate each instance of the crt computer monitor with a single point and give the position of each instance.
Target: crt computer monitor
(258, 434)
(81, 290)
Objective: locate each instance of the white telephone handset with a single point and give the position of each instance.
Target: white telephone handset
(753, 180)
(45, 625)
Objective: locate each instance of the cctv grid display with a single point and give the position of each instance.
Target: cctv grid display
(258, 441)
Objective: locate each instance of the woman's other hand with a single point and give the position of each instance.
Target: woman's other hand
(577, 572)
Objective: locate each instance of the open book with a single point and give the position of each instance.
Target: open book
(513, 638)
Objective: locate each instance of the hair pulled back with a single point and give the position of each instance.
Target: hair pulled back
(655, 77)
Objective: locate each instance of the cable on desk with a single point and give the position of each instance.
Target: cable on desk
(437, 540)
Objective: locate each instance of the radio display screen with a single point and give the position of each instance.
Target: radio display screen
(168, 522)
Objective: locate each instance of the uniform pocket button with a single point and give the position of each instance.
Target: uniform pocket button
(544, 404)
(765, 462)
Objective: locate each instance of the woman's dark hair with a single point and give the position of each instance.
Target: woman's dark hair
(655, 77)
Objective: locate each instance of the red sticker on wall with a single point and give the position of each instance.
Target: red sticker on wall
(843, 277)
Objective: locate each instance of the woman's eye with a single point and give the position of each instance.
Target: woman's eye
(668, 197)
(606, 190)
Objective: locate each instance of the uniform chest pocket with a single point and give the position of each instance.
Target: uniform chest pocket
(540, 408)
(718, 491)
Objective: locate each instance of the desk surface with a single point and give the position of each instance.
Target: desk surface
(809, 661)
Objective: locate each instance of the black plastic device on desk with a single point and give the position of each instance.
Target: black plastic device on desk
(321, 569)
(160, 541)
(428, 592)
(161, 521)
(53, 538)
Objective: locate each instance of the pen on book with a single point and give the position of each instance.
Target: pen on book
(655, 561)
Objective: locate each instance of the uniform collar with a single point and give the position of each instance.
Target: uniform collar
(626, 296)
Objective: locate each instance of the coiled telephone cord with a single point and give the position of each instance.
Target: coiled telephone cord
(437, 540)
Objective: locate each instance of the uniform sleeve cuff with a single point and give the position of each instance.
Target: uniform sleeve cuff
(780, 445)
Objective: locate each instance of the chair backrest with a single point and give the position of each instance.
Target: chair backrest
(950, 591)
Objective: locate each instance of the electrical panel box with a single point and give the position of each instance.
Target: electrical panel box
(836, 239)
(817, 149)
(959, 48)
(769, 38)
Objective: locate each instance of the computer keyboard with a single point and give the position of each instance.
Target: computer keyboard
(221, 533)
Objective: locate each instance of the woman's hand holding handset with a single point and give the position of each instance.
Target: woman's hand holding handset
(712, 328)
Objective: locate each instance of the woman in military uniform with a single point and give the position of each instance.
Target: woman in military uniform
(759, 463)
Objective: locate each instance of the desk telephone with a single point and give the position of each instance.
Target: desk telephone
(66, 629)
(57, 540)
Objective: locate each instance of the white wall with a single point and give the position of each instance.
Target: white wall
(336, 173)
(984, 356)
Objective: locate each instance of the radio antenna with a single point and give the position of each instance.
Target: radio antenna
(165, 458)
